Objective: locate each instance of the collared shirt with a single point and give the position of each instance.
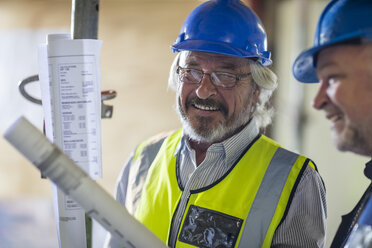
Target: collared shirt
(358, 235)
(308, 205)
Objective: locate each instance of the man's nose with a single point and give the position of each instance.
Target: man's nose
(206, 87)
(321, 98)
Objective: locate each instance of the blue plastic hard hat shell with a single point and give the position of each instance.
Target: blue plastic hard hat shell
(341, 21)
(224, 27)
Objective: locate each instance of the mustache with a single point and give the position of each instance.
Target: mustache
(212, 103)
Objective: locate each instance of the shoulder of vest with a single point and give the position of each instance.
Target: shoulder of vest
(271, 141)
(307, 161)
(153, 143)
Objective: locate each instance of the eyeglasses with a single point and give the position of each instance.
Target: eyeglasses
(219, 79)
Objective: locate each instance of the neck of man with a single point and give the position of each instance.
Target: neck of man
(200, 149)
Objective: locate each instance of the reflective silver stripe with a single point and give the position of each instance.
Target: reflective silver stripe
(267, 198)
(138, 172)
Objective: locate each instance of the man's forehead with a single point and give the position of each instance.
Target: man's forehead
(330, 57)
(344, 53)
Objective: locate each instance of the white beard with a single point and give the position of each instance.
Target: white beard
(220, 132)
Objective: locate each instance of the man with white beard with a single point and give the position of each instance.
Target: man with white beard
(218, 181)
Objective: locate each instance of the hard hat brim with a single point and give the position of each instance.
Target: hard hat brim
(218, 47)
(304, 69)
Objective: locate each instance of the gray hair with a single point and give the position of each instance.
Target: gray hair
(265, 80)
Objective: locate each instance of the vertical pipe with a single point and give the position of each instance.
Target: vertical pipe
(84, 19)
(84, 25)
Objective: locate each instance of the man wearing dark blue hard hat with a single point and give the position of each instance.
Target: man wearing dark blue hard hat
(219, 182)
(341, 61)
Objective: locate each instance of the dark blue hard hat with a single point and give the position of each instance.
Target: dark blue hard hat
(225, 27)
(340, 22)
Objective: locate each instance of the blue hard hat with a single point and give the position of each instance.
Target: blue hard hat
(341, 21)
(226, 27)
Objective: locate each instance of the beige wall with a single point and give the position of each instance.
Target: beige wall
(135, 62)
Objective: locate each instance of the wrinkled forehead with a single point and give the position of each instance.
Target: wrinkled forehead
(219, 60)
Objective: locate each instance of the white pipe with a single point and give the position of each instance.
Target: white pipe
(72, 180)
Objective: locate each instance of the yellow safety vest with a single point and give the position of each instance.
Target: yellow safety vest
(242, 209)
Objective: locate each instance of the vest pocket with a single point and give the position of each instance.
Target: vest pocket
(204, 227)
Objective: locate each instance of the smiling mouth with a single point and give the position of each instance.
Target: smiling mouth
(207, 105)
(204, 107)
(334, 118)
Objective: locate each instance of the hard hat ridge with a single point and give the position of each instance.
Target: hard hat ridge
(225, 27)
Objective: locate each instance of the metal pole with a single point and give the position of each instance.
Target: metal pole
(84, 19)
(84, 25)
